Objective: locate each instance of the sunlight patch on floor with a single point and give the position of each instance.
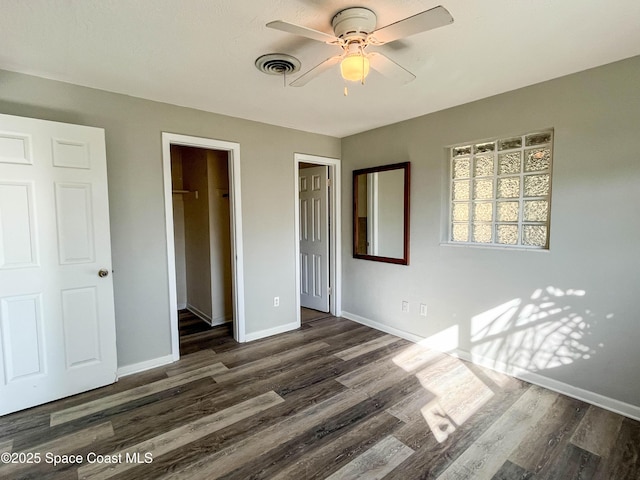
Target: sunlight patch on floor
(427, 350)
(459, 394)
(453, 393)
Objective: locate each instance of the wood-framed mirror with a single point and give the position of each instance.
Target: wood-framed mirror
(381, 213)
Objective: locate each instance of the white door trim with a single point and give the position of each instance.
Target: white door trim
(233, 150)
(335, 258)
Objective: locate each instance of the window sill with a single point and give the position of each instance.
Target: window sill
(494, 247)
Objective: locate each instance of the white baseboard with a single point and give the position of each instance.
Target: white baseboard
(214, 322)
(199, 313)
(611, 404)
(142, 366)
(221, 320)
(593, 398)
(382, 327)
(271, 331)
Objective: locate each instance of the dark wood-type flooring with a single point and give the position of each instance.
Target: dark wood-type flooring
(334, 400)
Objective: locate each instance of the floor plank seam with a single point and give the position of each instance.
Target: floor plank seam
(332, 400)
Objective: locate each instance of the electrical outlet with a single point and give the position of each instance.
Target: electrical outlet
(276, 301)
(423, 309)
(405, 306)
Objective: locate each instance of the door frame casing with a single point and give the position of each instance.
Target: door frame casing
(233, 152)
(335, 234)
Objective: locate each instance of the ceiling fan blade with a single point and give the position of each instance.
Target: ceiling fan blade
(304, 32)
(421, 22)
(315, 71)
(389, 68)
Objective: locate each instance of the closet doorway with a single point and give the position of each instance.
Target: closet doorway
(204, 251)
(314, 174)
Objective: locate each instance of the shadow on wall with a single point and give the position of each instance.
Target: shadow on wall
(550, 329)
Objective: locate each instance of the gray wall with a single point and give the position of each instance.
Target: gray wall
(570, 313)
(134, 161)
(220, 235)
(585, 286)
(197, 241)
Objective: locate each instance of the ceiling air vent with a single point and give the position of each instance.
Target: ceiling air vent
(277, 64)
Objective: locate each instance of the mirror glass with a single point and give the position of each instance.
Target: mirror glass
(381, 213)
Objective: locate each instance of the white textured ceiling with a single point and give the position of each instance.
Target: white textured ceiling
(201, 53)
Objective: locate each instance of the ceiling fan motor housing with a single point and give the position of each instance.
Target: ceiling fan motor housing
(354, 22)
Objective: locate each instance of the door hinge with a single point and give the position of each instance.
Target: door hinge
(329, 291)
(328, 182)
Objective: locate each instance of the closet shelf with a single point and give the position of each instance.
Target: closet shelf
(186, 192)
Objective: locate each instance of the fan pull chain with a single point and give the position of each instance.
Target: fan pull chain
(346, 91)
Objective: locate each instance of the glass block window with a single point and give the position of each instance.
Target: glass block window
(500, 191)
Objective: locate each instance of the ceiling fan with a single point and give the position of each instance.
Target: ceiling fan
(355, 30)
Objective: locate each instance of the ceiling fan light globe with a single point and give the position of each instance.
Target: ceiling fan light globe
(354, 68)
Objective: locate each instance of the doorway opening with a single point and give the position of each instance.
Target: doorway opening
(318, 236)
(204, 232)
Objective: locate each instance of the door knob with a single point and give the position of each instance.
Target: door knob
(103, 272)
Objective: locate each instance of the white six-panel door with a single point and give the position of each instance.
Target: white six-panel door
(314, 239)
(57, 324)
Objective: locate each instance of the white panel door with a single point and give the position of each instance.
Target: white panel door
(314, 239)
(57, 323)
